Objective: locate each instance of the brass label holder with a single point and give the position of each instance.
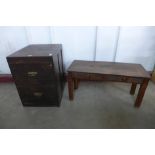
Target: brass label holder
(32, 73)
(37, 94)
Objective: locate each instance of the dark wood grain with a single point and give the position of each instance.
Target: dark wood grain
(141, 92)
(76, 83)
(108, 71)
(109, 68)
(133, 88)
(70, 86)
(38, 74)
(105, 77)
(38, 50)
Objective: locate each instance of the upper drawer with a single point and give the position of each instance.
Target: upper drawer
(30, 60)
(32, 70)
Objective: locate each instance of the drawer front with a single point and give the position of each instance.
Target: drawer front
(82, 76)
(100, 77)
(32, 71)
(115, 78)
(38, 95)
(30, 60)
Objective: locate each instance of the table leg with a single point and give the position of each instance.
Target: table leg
(141, 92)
(133, 88)
(70, 87)
(75, 83)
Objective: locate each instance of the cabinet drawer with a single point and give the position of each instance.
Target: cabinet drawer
(29, 60)
(37, 94)
(39, 101)
(38, 88)
(32, 70)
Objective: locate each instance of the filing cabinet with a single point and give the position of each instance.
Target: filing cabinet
(38, 74)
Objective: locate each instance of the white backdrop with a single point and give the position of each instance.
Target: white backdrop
(78, 42)
(106, 45)
(137, 44)
(120, 44)
(11, 39)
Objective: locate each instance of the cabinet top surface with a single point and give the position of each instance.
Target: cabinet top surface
(38, 50)
(110, 68)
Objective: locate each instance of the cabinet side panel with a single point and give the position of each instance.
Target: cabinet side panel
(58, 76)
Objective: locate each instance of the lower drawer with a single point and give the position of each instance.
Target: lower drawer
(38, 96)
(40, 102)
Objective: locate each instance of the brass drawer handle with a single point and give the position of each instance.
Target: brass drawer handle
(32, 73)
(37, 94)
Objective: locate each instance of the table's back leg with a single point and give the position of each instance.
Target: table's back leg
(75, 83)
(70, 86)
(141, 92)
(133, 88)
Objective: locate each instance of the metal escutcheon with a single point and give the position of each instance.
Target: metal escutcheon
(37, 94)
(32, 73)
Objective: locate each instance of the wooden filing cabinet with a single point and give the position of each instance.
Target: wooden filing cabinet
(38, 74)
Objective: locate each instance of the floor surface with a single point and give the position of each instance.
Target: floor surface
(97, 105)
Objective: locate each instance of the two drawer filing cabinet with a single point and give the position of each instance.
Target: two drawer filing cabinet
(38, 74)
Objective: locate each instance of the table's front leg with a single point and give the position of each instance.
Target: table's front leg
(70, 86)
(141, 92)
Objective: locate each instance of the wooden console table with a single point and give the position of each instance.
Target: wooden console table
(108, 71)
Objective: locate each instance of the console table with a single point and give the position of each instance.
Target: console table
(108, 71)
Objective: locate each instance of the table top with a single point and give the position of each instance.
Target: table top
(37, 50)
(109, 68)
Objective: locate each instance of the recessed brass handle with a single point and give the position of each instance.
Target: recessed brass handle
(37, 94)
(32, 73)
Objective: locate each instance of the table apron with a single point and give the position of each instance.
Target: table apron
(102, 77)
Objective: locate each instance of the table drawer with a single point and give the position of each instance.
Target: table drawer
(83, 76)
(101, 77)
(115, 78)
